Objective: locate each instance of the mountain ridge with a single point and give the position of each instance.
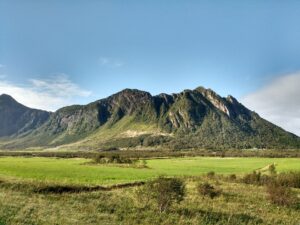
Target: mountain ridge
(17, 118)
(197, 118)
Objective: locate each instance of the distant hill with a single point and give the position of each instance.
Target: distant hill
(197, 118)
(16, 119)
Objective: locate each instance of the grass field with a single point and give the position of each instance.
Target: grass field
(239, 203)
(79, 171)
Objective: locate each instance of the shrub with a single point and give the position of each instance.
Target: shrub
(141, 164)
(265, 179)
(115, 158)
(164, 192)
(252, 178)
(280, 195)
(206, 189)
(257, 178)
(291, 179)
(211, 174)
(98, 158)
(232, 177)
(272, 169)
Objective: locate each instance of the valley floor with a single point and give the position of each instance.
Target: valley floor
(239, 203)
(81, 171)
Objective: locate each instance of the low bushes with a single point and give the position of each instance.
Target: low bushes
(281, 195)
(115, 159)
(206, 189)
(256, 178)
(162, 192)
(290, 179)
(151, 153)
(278, 186)
(210, 174)
(232, 177)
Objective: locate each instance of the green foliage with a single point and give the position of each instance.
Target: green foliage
(153, 153)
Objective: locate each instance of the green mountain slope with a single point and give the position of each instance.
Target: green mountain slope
(191, 119)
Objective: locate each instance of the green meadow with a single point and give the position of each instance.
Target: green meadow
(30, 192)
(82, 171)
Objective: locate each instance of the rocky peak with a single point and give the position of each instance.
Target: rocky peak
(128, 101)
(232, 100)
(214, 99)
(166, 97)
(131, 96)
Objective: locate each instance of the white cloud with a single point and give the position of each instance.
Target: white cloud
(278, 102)
(49, 94)
(109, 62)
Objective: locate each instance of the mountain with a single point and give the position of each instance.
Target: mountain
(197, 118)
(16, 119)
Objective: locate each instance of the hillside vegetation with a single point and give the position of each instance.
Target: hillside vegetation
(131, 118)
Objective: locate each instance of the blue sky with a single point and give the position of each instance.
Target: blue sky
(54, 53)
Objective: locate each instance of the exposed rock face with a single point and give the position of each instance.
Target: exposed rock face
(16, 118)
(196, 118)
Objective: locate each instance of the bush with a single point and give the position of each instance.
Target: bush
(280, 195)
(232, 177)
(211, 174)
(291, 179)
(142, 164)
(252, 178)
(163, 192)
(272, 169)
(115, 158)
(257, 178)
(206, 189)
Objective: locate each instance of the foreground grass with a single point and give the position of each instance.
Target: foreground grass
(80, 171)
(25, 197)
(239, 204)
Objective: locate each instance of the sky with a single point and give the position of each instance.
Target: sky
(55, 53)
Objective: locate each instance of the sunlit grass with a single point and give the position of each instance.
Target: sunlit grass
(79, 171)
